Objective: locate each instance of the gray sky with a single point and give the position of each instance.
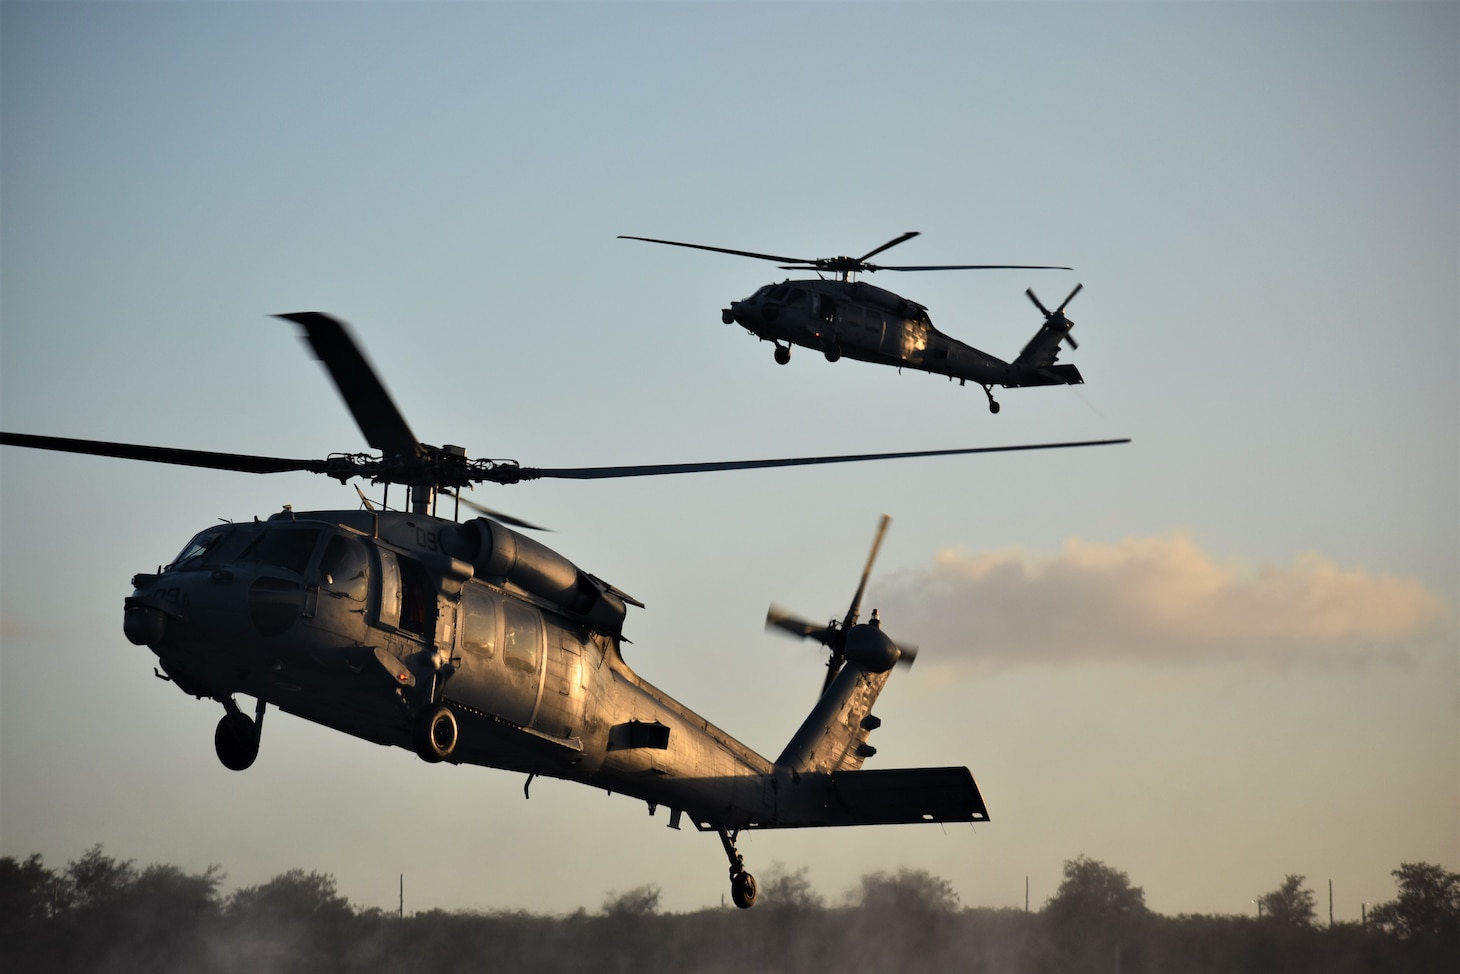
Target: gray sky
(1221, 654)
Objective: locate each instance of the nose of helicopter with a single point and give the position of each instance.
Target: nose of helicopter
(744, 312)
(143, 625)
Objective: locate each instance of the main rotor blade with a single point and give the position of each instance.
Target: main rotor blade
(375, 412)
(498, 515)
(657, 469)
(856, 607)
(719, 250)
(243, 463)
(891, 243)
(970, 267)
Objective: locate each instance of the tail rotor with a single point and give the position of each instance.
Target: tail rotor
(865, 644)
(1056, 318)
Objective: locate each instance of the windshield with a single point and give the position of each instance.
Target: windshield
(194, 553)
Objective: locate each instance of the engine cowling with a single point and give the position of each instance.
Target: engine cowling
(496, 551)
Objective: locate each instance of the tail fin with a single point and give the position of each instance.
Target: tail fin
(834, 736)
(1044, 347)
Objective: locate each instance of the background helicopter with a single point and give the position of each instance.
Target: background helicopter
(841, 316)
(471, 643)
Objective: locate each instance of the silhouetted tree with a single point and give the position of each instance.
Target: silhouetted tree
(28, 891)
(1291, 903)
(637, 902)
(291, 895)
(1096, 917)
(1428, 904)
(784, 890)
(909, 892)
(1092, 890)
(95, 879)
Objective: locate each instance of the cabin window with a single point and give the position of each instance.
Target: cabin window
(343, 567)
(519, 637)
(417, 600)
(827, 308)
(479, 625)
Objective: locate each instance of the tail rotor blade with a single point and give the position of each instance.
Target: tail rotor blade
(1077, 290)
(779, 618)
(1042, 309)
(856, 607)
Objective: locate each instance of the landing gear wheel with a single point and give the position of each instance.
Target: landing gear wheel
(783, 354)
(742, 884)
(236, 740)
(743, 890)
(832, 353)
(993, 407)
(436, 733)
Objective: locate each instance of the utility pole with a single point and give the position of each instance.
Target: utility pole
(1026, 894)
(402, 896)
(1330, 902)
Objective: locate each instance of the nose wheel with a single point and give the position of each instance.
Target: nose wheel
(236, 739)
(783, 354)
(742, 884)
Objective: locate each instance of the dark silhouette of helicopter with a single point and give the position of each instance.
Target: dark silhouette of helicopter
(842, 317)
(472, 643)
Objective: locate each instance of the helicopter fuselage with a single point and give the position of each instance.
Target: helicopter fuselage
(373, 622)
(859, 321)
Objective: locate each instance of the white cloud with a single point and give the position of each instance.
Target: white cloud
(1160, 600)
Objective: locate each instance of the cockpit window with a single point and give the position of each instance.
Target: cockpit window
(194, 553)
(777, 293)
(343, 567)
(284, 548)
(798, 297)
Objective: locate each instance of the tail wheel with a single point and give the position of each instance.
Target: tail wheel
(436, 734)
(236, 740)
(743, 890)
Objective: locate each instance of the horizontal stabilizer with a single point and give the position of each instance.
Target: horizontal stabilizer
(903, 796)
(1046, 375)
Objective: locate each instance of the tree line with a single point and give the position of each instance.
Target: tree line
(100, 915)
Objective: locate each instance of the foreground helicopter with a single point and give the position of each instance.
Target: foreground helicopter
(846, 317)
(469, 642)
